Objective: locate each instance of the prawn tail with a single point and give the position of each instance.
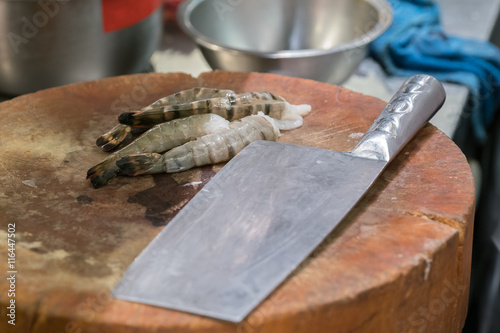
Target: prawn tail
(102, 173)
(294, 112)
(118, 135)
(147, 118)
(301, 109)
(287, 124)
(139, 164)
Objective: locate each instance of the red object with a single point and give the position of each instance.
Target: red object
(119, 14)
(170, 11)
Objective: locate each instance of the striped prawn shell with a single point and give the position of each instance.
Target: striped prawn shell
(231, 107)
(221, 146)
(212, 148)
(122, 133)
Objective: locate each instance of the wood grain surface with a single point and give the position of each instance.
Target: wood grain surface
(399, 262)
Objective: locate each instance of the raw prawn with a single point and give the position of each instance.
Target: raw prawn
(122, 133)
(231, 107)
(158, 139)
(209, 149)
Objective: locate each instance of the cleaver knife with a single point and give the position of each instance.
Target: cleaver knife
(265, 212)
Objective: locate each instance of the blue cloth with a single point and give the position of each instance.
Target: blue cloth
(415, 43)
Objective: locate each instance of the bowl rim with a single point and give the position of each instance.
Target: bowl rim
(383, 7)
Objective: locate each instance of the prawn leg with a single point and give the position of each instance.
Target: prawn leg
(158, 139)
(209, 149)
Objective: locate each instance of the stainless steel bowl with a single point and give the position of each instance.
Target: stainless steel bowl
(55, 42)
(324, 40)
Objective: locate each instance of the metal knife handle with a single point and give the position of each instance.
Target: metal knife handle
(418, 99)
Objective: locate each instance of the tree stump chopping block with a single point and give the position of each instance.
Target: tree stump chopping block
(399, 262)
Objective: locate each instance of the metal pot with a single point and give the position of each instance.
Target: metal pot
(55, 42)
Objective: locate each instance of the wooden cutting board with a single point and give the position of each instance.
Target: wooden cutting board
(400, 262)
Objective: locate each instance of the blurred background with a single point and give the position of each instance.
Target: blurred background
(353, 43)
